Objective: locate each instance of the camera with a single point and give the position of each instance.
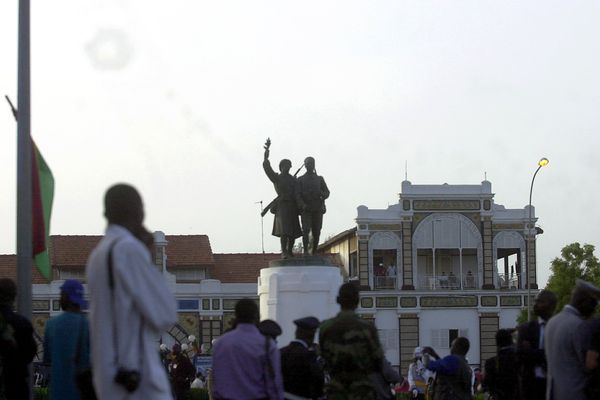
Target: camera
(129, 379)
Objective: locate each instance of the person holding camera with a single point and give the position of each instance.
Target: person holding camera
(130, 305)
(453, 378)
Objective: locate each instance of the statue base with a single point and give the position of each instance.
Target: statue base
(295, 288)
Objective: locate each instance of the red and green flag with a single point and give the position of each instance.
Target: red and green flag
(42, 193)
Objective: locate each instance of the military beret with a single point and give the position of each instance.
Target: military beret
(268, 327)
(308, 323)
(588, 287)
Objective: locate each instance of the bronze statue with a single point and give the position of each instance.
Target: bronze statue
(285, 223)
(311, 192)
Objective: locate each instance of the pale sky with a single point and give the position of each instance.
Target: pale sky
(177, 98)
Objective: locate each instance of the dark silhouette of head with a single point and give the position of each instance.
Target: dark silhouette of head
(123, 206)
(504, 337)
(585, 298)
(306, 328)
(72, 295)
(8, 291)
(545, 304)
(309, 164)
(284, 166)
(269, 328)
(348, 296)
(460, 346)
(246, 312)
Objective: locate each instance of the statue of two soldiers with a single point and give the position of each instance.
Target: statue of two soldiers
(304, 196)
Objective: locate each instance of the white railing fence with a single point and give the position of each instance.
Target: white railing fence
(447, 282)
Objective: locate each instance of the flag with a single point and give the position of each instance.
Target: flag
(42, 193)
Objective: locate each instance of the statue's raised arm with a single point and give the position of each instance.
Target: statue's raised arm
(285, 223)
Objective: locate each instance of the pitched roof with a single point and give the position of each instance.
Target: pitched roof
(189, 250)
(241, 267)
(8, 269)
(342, 235)
(72, 251)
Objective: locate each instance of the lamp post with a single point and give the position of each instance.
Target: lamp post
(542, 163)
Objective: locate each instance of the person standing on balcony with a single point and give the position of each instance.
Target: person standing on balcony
(452, 281)
(470, 280)
(530, 348)
(391, 270)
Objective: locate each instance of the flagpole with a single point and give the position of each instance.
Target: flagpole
(24, 190)
(24, 207)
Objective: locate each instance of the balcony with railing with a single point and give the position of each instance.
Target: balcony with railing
(385, 281)
(448, 282)
(509, 281)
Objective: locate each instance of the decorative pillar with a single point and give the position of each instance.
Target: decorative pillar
(409, 339)
(160, 254)
(531, 261)
(488, 257)
(363, 261)
(407, 261)
(488, 326)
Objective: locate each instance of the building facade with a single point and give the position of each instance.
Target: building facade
(444, 261)
(206, 285)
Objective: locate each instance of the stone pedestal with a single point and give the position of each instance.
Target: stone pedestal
(295, 288)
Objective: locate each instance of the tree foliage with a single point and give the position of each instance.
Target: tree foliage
(576, 261)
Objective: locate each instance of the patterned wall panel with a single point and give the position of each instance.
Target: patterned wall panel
(190, 321)
(38, 320)
(409, 339)
(488, 262)
(488, 326)
(363, 262)
(407, 262)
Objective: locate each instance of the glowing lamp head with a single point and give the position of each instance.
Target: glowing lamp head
(543, 162)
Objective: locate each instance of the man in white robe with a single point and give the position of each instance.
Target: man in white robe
(127, 321)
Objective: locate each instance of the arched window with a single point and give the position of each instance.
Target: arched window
(385, 255)
(447, 253)
(509, 252)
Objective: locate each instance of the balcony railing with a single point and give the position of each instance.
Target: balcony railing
(447, 282)
(385, 282)
(508, 281)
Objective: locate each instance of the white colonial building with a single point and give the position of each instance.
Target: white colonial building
(444, 261)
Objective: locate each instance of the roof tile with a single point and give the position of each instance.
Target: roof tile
(8, 269)
(182, 250)
(241, 267)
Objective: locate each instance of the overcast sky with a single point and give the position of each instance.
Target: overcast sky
(177, 98)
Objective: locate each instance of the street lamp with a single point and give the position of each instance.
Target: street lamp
(542, 163)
